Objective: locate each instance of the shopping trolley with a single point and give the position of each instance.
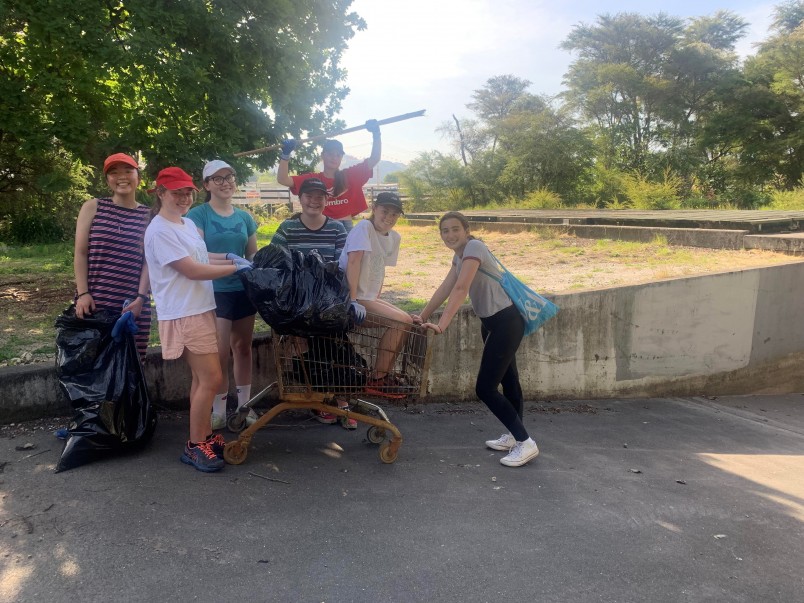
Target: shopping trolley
(316, 372)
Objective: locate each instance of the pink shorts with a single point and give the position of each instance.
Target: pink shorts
(195, 333)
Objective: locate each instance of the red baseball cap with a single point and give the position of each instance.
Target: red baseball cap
(173, 178)
(119, 158)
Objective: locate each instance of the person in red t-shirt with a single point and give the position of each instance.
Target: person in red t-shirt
(345, 197)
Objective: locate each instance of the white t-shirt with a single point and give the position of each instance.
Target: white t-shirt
(176, 295)
(380, 251)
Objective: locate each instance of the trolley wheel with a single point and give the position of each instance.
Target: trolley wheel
(386, 456)
(236, 422)
(235, 453)
(375, 434)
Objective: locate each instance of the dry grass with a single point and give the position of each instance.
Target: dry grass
(551, 262)
(34, 290)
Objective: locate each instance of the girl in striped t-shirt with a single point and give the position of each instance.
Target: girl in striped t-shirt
(109, 261)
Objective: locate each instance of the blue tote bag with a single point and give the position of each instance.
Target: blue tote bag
(535, 309)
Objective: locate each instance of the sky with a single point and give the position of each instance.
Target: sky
(431, 54)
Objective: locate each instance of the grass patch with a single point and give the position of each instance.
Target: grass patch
(413, 304)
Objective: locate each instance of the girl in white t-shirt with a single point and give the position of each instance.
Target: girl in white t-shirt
(371, 246)
(180, 271)
(502, 328)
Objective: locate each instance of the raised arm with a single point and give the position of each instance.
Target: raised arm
(282, 172)
(376, 147)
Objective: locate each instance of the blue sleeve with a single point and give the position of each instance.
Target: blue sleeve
(251, 224)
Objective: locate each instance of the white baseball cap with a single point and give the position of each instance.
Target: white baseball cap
(213, 166)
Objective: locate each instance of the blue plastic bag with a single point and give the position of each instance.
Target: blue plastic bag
(535, 309)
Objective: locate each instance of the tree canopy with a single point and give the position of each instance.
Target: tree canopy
(178, 82)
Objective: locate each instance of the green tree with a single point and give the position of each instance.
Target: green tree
(434, 181)
(181, 82)
(778, 70)
(544, 149)
(617, 81)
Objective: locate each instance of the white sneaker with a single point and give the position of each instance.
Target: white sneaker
(218, 421)
(251, 417)
(505, 442)
(521, 453)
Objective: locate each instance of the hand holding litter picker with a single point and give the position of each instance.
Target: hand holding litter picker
(287, 148)
(365, 126)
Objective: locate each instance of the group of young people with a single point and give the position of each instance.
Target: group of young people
(188, 258)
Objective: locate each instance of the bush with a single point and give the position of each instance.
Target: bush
(542, 198)
(643, 194)
(35, 227)
(787, 199)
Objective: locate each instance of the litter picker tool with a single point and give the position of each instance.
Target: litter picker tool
(382, 122)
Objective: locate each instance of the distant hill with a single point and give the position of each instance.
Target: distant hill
(381, 171)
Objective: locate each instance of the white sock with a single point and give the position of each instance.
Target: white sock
(529, 442)
(243, 394)
(219, 404)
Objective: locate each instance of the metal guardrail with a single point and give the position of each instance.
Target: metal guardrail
(272, 195)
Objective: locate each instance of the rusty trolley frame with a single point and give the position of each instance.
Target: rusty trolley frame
(313, 372)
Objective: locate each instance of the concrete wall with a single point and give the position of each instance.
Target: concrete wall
(738, 332)
(731, 333)
(33, 391)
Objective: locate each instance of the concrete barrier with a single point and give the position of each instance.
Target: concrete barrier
(737, 332)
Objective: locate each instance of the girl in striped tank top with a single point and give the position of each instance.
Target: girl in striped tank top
(109, 259)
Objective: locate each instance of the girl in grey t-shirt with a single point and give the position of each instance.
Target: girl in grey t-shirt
(473, 273)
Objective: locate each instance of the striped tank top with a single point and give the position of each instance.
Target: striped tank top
(115, 259)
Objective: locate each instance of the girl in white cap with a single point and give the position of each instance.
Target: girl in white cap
(228, 229)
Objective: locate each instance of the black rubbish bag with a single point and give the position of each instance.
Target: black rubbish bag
(298, 294)
(330, 361)
(106, 385)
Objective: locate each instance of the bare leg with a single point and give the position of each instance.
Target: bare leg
(206, 371)
(393, 339)
(223, 330)
(242, 332)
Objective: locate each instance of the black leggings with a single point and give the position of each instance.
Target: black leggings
(502, 333)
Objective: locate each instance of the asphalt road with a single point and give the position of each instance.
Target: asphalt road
(631, 500)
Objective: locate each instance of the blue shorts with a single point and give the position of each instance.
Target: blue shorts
(233, 305)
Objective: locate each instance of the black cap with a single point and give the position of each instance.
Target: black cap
(312, 184)
(389, 198)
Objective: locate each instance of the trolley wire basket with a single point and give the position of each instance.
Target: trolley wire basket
(340, 374)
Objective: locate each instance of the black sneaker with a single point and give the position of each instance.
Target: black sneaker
(202, 457)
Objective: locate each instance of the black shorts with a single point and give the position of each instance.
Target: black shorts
(233, 305)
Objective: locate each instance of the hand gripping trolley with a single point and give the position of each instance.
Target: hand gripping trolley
(312, 372)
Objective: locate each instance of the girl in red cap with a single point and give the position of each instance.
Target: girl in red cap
(180, 270)
(108, 262)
